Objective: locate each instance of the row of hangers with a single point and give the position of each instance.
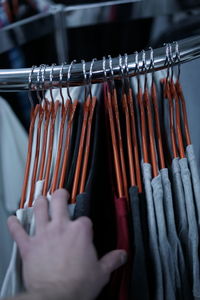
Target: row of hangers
(151, 134)
(147, 101)
(48, 111)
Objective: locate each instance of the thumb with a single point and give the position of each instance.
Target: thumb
(113, 260)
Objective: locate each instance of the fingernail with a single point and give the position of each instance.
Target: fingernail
(124, 257)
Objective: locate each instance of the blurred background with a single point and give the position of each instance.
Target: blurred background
(35, 32)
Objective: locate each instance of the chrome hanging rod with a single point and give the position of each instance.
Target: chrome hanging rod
(19, 79)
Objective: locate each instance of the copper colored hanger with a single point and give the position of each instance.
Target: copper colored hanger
(86, 108)
(47, 112)
(89, 130)
(87, 146)
(150, 122)
(53, 115)
(71, 114)
(128, 131)
(113, 136)
(178, 119)
(28, 161)
(61, 135)
(36, 160)
(142, 117)
(34, 113)
(133, 129)
(46, 127)
(156, 112)
(81, 150)
(185, 119)
(182, 98)
(167, 96)
(60, 147)
(37, 151)
(178, 111)
(118, 128)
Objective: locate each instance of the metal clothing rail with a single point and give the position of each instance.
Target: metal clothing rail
(18, 79)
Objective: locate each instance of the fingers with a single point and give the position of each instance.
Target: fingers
(18, 233)
(86, 228)
(113, 260)
(59, 201)
(41, 213)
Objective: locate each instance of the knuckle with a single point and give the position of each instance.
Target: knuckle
(40, 201)
(60, 193)
(85, 223)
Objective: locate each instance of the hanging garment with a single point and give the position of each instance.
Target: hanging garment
(139, 277)
(165, 250)
(156, 280)
(193, 237)
(179, 204)
(13, 282)
(84, 200)
(13, 141)
(121, 278)
(195, 180)
(181, 280)
(76, 134)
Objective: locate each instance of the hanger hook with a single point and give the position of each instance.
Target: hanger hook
(51, 82)
(68, 79)
(126, 71)
(104, 69)
(172, 61)
(85, 77)
(90, 76)
(167, 60)
(121, 66)
(137, 69)
(30, 77)
(111, 71)
(126, 64)
(144, 67)
(152, 63)
(38, 83)
(60, 82)
(178, 59)
(43, 81)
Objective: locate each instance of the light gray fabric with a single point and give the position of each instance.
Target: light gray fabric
(190, 74)
(12, 283)
(6, 242)
(195, 179)
(168, 267)
(182, 284)
(192, 227)
(153, 235)
(179, 203)
(13, 150)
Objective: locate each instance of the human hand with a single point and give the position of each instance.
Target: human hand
(61, 259)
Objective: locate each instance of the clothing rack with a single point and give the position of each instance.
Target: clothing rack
(18, 79)
(73, 16)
